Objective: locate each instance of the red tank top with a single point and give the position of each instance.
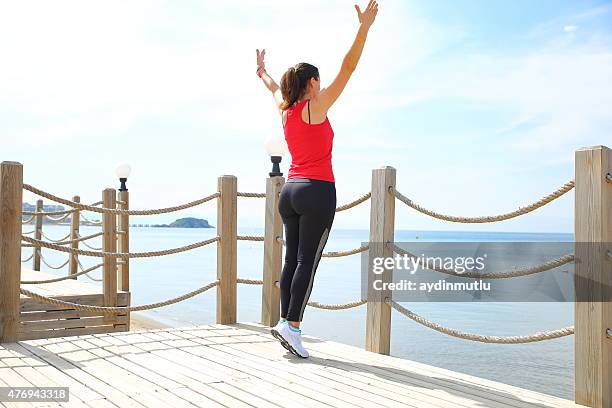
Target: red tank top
(310, 146)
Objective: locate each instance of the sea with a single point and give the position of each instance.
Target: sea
(546, 366)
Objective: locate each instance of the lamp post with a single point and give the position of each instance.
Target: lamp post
(122, 171)
(276, 148)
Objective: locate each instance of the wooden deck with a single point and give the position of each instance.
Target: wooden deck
(240, 365)
(40, 320)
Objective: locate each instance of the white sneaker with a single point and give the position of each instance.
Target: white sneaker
(277, 336)
(293, 338)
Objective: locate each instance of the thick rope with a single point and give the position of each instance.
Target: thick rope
(57, 219)
(80, 238)
(354, 203)
(336, 254)
(249, 238)
(47, 213)
(123, 255)
(57, 241)
(250, 281)
(61, 278)
(490, 218)
(89, 270)
(28, 220)
(545, 266)
(42, 258)
(116, 309)
(252, 195)
(30, 257)
(337, 306)
(114, 210)
(539, 336)
(97, 222)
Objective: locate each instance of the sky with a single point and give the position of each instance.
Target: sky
(479, 105)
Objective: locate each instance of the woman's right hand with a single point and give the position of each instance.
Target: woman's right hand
(369, 14)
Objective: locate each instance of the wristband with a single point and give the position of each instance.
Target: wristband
(260, 71)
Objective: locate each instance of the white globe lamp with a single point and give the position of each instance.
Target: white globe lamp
(122, 171)
(276, 147)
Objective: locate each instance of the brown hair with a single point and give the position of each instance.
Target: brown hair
(294, 82)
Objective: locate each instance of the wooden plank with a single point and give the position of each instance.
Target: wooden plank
(57, 314)
(43, 334)
(382, 221)
(77, 390)
(30, 305)
(11, 185)
(144, 391)
(227, 249)
(593, 280)
(273, 253)
(441, 378)
(192, 380)
(74, 370)
(71, 323)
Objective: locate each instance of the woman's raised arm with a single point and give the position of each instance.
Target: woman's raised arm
(267, 79)
(328, 96)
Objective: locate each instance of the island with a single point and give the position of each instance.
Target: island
(188, 222)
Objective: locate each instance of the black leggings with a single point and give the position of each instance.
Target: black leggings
(307, 207)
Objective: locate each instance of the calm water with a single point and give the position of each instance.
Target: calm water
(546, 367)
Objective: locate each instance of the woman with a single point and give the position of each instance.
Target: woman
(307, 203)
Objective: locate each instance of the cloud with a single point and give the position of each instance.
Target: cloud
(570, 28)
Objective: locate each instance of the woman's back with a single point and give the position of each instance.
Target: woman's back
(310, 145)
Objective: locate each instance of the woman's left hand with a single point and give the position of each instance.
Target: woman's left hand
(260, 59)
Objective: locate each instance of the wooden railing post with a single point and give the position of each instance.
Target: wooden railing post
(75, 221)
(593, 277)
(38, 234)
(123, 242)
(226, 249)
(273, 253)
(109, 244)
(382, 220)
(11, 196)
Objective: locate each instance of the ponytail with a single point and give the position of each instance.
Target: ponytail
(295, 81)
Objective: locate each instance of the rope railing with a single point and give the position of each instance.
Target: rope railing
(337, 254)
(338, 306)
(92, 208)
(30, 257)
(80, 238)
(42, 258)
(123, 255)
(252, 195)
(27, 220)
(47, 213)
(250, 238)
(95, 222)
(545, 266)
(489, 218)
(116, 309)
(250, 281)
(539, 336)
(57, 241)
(354, 203)
(29, 232)
(58, 219)
(86, 271)
(61, 278)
